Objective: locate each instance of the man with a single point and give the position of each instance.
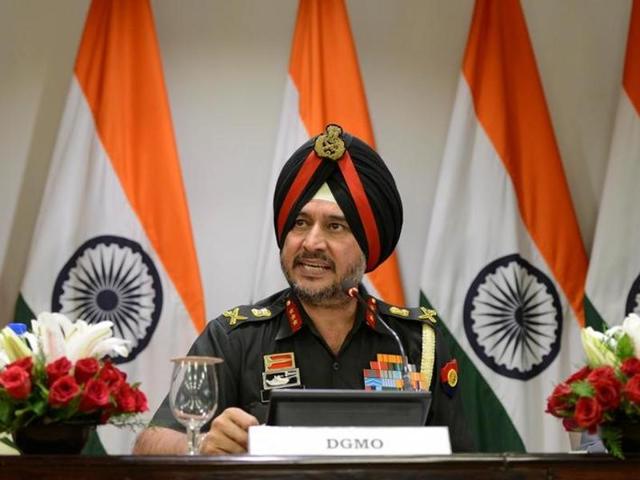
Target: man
(337, 215)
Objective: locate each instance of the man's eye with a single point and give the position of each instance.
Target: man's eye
(300, 222)
(336, 227)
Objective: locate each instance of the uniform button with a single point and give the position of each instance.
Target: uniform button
(336, 366)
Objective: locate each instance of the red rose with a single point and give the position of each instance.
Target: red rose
(141, 401)
(607, 387)
(579, 375)
(16, 382)
(105, 415)
(602, 373)
(58, 369)
(558, 401)
(608, 394)
(588, 413)
(85, 369)
(570, 424)
(25, 363)
(632, 389)
(126, 399)
(113, 377)
(94, 396)
(63, 391)
(630, 367)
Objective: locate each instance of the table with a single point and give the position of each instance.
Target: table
(457, 466)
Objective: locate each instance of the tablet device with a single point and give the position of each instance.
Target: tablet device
(355, 408)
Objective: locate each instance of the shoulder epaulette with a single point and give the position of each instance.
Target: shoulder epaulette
(420, 314)
(250, 313)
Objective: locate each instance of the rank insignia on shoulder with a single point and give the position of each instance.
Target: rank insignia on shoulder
(234, 316)
(428, 314)
(449, 377)
(261, 312)
(403, 312)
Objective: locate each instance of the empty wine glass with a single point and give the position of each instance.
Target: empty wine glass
(194, 394)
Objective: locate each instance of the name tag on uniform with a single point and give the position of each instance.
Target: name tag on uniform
(346, 441)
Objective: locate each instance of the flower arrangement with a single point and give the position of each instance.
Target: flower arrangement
(604, 395)
(58, 373)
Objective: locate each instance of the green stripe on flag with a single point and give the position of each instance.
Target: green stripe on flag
(489, 422)
(94, 445)
(592, 317)
(23, 313)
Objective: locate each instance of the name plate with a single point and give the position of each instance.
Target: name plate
(341, 441)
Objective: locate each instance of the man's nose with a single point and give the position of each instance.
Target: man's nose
(314, 239)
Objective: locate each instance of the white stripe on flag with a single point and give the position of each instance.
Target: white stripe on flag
(291, 134)
(615, 257)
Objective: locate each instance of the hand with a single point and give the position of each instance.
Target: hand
(228, 432)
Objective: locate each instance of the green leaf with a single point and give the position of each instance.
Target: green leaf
(39, 407)
(583, 388)
(612, 439)
(624, 349)
(44, 391)
(5, 412)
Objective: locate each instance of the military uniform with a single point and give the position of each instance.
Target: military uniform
(245, 335)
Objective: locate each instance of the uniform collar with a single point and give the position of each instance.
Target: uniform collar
(370, 314)
(294, 317)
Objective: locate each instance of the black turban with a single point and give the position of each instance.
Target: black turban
(360, 182)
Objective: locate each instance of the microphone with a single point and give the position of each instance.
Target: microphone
(353, 292)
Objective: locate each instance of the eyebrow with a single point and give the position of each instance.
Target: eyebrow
(334, 218)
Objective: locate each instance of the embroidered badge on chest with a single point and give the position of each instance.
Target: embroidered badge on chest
(280, 371)
(449, 377)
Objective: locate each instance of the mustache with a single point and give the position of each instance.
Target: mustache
(301, 258)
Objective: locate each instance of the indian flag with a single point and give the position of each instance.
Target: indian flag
(613, 281)
(323, 86)
(504, 264)
(113, 237)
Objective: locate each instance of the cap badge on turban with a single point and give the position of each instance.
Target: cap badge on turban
(329, 144)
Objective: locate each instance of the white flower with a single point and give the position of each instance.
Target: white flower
(4, 359)
(49, 331)
(12, 347)
(598, 347)
(93, 341)
(110, 345)
(631, 326)
(57, 336)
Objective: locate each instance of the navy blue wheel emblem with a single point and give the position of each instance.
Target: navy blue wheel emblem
(633, 300)
(112, 278)
(513, 318)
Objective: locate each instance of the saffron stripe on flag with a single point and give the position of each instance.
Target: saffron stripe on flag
(517, 121)
(138, 135)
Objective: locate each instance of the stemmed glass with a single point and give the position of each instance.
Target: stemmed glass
(194, 394)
